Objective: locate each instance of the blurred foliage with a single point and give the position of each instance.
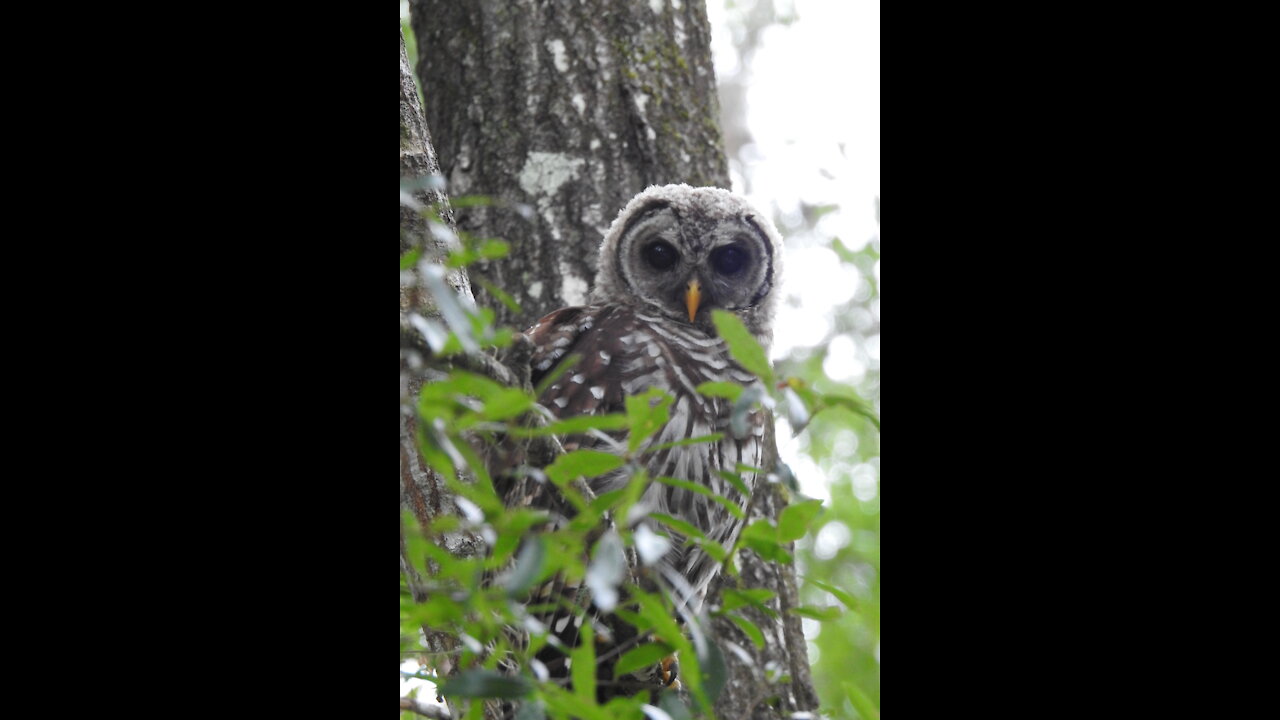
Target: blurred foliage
(839, 445)
(840, 558)
(481, 600)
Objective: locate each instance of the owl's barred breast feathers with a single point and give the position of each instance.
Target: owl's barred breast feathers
(639, 352)
(673, 255)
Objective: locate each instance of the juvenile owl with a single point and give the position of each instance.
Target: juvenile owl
(674, 254)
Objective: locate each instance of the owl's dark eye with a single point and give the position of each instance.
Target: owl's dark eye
(661, 255)
(729, 260)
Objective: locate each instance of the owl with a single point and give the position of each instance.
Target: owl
(674, 254)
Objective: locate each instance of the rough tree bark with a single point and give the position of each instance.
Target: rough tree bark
(570, 108)
(421, 488)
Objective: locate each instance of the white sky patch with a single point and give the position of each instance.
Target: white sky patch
(558, 55)
(426, 688)
(535, 290)
(864, 482)
(816, 278)
(839, 129)
(656, 6)
(828, 153)
(794, 327)
(813, 482)
(830, 539)
(579, 102)
(843, 361)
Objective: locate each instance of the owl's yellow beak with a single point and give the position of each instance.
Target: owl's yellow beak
(692, 298)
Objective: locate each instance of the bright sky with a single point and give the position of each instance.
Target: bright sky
(813, 108)
(814, 111)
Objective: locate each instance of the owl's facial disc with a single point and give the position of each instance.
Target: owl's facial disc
(685, 264)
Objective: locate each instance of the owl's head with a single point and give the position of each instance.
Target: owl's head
(682, 252)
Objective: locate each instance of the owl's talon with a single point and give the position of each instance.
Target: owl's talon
(670, 672)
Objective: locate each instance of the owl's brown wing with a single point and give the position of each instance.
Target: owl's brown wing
(592, 384)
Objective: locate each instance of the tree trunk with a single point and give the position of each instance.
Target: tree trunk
(422, 490)
(565, 110)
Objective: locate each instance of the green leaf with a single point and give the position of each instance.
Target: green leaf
(511, 526)
(642, 657)
(506, 404)
(635, 620)
(465, 201)
(749, 628)
(661, 621)
(574, 426)
(461, 382)
(818, 613)
(714, 671)
(647, 414)
(798, 414)
(742, 345)
(854, 405)
(728, 504)
(532, 710)
(762, 537)
(794, 521)
(566, 363)
(409, 259)
(447, 303)
(603, 502)
(861, 703)
(485, 684)
(583, 668)
(679, 526)
(584, 463)
(671, 703)
(494, 249)
(762, 529)
(627, 708)
(564, 704)
(713, 437)
(729, 390)
(753, 597)
(497, 292)
(686, 485)
(743, 408)
(608, 566)
(528, 568)
(841, 595)
(712, 548)
(736, 481)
